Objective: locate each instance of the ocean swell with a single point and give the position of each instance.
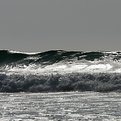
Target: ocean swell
(59, 70)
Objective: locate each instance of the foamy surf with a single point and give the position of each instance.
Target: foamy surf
(59, 70)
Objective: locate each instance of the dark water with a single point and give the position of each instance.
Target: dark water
(97, 82)
(48, 57)
(69, 106)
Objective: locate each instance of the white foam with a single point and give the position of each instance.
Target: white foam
(30, 53)
(99, 67)
(66, 67)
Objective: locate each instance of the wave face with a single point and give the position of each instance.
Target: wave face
(49, 57)
(59, 70)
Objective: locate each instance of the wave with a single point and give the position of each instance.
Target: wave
(99, 82)
(53, 56)
(59, 70)
(59, 61)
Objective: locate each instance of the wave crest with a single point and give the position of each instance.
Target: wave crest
(59, 70)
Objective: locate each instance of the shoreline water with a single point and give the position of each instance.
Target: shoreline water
(61, 106)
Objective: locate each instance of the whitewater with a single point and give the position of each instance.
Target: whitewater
(59, 70)
(60, 106)
(60, 85)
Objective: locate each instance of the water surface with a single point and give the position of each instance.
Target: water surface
(60, 106)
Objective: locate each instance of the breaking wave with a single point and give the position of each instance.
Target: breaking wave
(59, 70)
(101, 82)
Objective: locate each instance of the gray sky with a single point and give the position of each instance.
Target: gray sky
(40, 25)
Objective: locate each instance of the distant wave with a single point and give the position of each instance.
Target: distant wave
(59, 70)
(53, 56)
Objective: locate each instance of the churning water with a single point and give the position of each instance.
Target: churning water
(60, 106)
(58, 72)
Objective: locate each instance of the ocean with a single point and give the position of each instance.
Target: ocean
(60, 106)
(60, 85)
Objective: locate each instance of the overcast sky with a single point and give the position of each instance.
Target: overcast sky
(40, 25)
